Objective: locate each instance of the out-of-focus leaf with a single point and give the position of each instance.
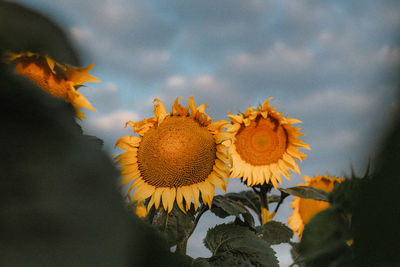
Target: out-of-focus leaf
(306, 192)
(32, 32)
(177, 225)
(324, 240)
(376, 216)
(274, 232)
(294, 251)
(237, 245)
(223, 207)
(343, 195)
(201, 262)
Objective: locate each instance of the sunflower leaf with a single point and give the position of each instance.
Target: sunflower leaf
(223, 207)
(274, 232)
(176, 224)
(237, 245)
(294, 251)
(324, 239)
(247, 198)
(306, 192)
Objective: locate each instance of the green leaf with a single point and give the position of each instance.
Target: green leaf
(294, 251)
(238, 246)
(247, 198)
(223, 207)
(201, 262)
(307, 192)
(324, 239)
(275, 232)
(176, 224)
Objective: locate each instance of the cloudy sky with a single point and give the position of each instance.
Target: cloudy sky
(330, 64)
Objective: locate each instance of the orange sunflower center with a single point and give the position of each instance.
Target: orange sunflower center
(176, 153)
(43, 77)
(263, 142)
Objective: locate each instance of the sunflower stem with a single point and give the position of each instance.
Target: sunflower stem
(264, 190)
(283, 196)
(182, 246)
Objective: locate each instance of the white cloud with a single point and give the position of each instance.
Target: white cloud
(79, 34)
(343, 139)
(114, 120)
(337, 99)
(278, 58)
(175, 81)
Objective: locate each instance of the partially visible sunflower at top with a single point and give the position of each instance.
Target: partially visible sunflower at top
(177, 157)
(265, 145)
(59, 80)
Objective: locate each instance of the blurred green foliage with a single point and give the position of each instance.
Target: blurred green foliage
(59, 200)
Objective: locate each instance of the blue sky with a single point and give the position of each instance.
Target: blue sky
(330, 64)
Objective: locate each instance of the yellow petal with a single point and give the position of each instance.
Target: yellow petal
(221, 165)
(265, 105)
(127, 179)
(292, 163)
(128, 143)
(151, 203)
(171, 199)
(217, 181)
(129, 169)
(129, 157)
(142, 192)
(179, 199)
(137, 182)
(80, 101)
(192, 106)
(235, 118)
(207, 191)
(217, 125)
(222, 136)
(80, 75)
(187, 195)
(159, 108)
(195, 194)
(157, 196)
(51, 63)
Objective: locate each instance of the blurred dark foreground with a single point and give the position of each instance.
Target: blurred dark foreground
(59, 199)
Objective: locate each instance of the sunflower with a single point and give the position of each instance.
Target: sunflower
(265, 145)
(305, 209)
(59, 80)
(177, 156)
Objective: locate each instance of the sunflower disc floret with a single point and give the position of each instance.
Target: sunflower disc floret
(177, 156)
(265, 145)
(58, 80)
(305, 209)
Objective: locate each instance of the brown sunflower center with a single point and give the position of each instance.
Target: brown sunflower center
(176, 153)
(263, 142)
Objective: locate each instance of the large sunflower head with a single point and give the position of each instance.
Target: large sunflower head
(305, 209)
(177, 156)
(59, 80)
(265, 145)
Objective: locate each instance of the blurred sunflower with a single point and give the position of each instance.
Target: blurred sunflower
(264, 146)
(177, 156)
(305, 209)
(141, 210)
(59, 80)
